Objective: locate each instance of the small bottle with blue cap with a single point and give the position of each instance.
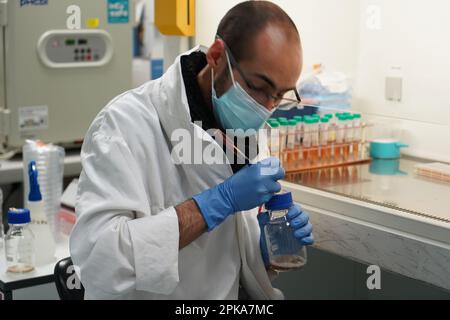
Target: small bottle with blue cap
(284, 250)
(19, 242)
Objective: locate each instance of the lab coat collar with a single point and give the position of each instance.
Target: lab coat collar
(166, 95)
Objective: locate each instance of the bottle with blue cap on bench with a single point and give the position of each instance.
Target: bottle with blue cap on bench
(19, 242)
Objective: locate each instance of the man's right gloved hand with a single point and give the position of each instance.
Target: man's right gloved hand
(251, 187)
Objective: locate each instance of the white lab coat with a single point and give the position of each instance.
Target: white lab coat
(125, 242)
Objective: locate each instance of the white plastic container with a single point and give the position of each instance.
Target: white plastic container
(44, 237)
(50, 165)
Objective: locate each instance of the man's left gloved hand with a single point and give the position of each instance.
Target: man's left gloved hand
(299, 222)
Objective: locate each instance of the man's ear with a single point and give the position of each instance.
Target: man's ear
(216, 54)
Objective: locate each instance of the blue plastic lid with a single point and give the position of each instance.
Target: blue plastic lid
(280, 202)
(35, 192)
(18, 216)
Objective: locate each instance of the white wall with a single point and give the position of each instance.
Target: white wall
(208, 15)
(413, 38)
(328, 28)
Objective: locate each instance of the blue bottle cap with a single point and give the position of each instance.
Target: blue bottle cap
(18, 216)
(280, 202)
(35, 192)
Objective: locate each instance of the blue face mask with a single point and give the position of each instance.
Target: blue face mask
(236, 109)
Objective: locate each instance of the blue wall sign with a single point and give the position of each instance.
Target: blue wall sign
(33, 3)
(118, 11)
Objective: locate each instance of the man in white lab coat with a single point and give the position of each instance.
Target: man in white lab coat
(150, 224)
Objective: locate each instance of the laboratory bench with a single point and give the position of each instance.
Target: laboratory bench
(11, 173)
(380, 213)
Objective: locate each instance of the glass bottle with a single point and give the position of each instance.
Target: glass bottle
(19, 242)
(284, 250)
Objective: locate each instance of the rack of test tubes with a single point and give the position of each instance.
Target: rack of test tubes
(318, 141)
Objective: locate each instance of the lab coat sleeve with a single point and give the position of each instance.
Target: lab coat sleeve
(118, 243)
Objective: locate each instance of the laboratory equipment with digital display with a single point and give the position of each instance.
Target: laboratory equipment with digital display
(60, 68)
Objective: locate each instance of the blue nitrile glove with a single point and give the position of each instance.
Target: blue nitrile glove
(263, 219)
(252, 186)
(302, 228)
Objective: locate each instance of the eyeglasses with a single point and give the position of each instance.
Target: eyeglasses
(290, 97)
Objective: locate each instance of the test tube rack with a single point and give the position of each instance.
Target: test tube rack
(312, 158)
(299, 158)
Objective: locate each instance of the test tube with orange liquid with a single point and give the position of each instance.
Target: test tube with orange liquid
(348, 135)
(283, 140)
(340, 133)
(307, 139)
(357, 135)
(315, 141)
(325, 148)
(299, 138)
(290, 145)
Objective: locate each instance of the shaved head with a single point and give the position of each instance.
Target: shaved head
(243, 23)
